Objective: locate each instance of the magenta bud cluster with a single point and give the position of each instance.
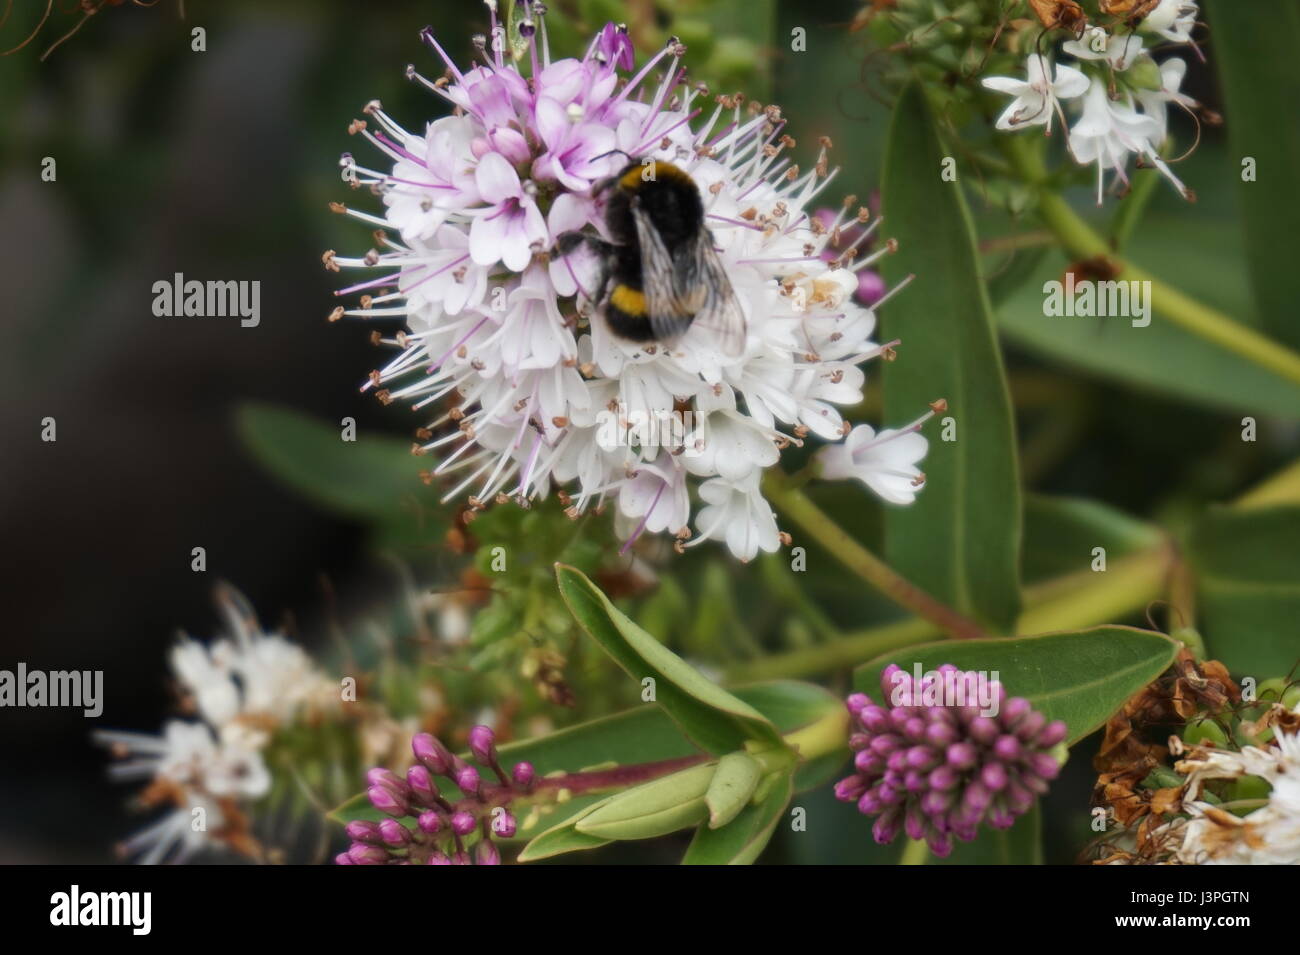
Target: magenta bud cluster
(940, 759)
(429, 824)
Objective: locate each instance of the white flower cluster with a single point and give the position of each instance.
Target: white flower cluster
(507, 333)
(242, 689)
(1269, 835)
(1121, 97)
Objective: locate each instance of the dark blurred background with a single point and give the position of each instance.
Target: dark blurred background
(220, 165)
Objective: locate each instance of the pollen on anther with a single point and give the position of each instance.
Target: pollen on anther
(337, 313)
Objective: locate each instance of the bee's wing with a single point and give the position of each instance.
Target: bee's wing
(669, 307)
(719, 312)
(687, 284)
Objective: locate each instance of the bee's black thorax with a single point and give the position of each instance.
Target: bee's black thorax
(672, 202)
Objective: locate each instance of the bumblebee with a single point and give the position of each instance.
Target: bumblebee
(660, 273)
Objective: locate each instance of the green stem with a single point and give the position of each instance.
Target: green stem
(1081, 241)
(798, 507)
(916, 852)
(1071, 602)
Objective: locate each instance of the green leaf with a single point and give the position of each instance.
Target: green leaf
(652, 809)
(708, 714)
(1081, 678)
(1161, 358)
(960, 540)
(645, 735)
(1061, 532)
(559, 840)
(1254, 49)
(1247, 570)
(732, 786)
(743, 839)
(374, 478)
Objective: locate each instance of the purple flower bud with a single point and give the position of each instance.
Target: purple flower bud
(1053, 734)
(485, 853)
(523, 775)
(503, 824)
(467, 780)
(362, 854)
(432, 753)
(857, 702)
(945, 777)
(1007, 748)
(394, 833)
(1014, 711)
(343, 859)
(1029, 727)
(994, 776)
(962, 755)
(914, 822)
(388, 780)
(936, 804)
(387, 801)
(940, 843)
(870, 803)
(423, 788)
(884, 745)
(888, 681)
(867, 762)
(984, 730)
(850, 788)
(463, 823)
(886, 826)
(438, 858)
(922, 757)
(1044, 765)
(875, 719)
(430, 822)
(361, 830)
(938, 771)
(483, 744)
(940, 735)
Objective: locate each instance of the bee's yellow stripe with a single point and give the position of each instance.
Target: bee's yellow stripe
(658, 169)
(628, 300)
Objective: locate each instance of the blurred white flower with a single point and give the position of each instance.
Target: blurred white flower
(1172, 19)
(1036, 97)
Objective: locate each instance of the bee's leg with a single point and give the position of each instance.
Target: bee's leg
(566, 242)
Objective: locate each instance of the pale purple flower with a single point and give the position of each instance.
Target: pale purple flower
(498, 321)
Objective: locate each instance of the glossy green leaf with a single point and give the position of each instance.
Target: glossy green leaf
(732, 786)
(652, 809)
(743, 839)
(708, 714)
(559, 840)
(1254, 49)
(644, 735)
(1081, 678)
(1247, 568)
(960, 540)
(374, 478)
